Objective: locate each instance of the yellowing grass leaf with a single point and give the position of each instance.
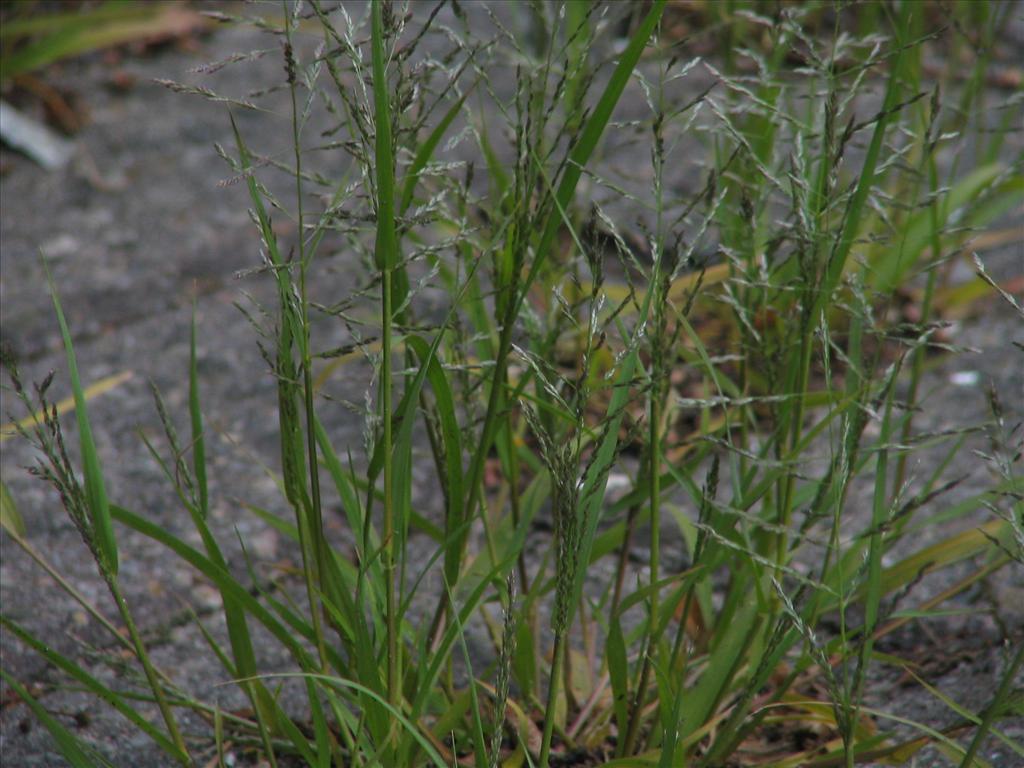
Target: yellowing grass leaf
(516, 759)
(581, 675)
(10, 518)
(951, 550)
(338, 362)
(67, 405)
(680, 286)
(889, 269)
(63, 35)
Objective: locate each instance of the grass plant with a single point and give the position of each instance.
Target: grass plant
(739, 368)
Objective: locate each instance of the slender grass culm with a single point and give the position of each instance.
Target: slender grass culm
(643, 301)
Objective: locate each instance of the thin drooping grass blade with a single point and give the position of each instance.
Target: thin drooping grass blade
(74, 750)
(92, 685)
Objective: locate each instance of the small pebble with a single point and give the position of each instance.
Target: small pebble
(965, 379)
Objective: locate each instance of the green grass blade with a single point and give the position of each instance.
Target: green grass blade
(95, 488)
(196, 417)
(365, 663)
(75, 751)
(392, 295)
(721, 670)
(596, 478)
(426, 151)
(345, 485)
(234, 616)
(477, 726)
(43, 23)
(67, 35)
(853, 216)
(407, 725)
(591, 134)
(618, 672)
(440, 653)
(221, 578)
(451, 436)
(988, 536)
(577, 160)
(342, 482)
(386, 247)
(290, 332)
(497, 174)
(94, 686)
(321, 734)
(888, 272)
